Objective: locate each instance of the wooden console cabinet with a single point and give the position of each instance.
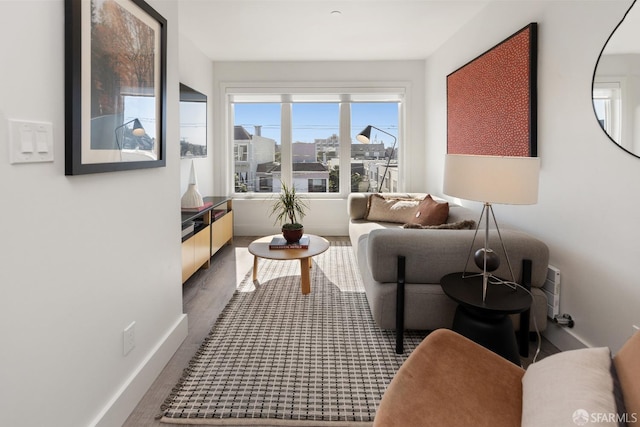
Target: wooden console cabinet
(204, 233)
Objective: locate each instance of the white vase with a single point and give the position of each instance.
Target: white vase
(192, 197)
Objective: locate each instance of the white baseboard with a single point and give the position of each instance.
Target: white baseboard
(563, 338)
(116, 412)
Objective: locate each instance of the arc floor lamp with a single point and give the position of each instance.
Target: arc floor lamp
(365, 138)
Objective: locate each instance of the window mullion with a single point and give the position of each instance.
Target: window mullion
(286, 134)
(345, 148)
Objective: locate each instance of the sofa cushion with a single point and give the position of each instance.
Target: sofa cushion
(357, 205)
(430, 212)
(570, 388)
(449, 380)
(391, 209)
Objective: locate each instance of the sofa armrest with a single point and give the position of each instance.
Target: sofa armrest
(450, 380)
(627, 363)
(433, 253)
(357, 205)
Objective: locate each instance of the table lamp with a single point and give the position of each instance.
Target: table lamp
(490, 180)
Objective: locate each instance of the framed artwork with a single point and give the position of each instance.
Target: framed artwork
(492, 100)
(115, 83)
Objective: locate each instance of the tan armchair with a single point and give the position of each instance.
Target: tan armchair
(450, 380)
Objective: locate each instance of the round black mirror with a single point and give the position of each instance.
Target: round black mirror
(616, 83)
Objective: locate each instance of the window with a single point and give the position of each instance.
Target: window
(256, 145)
(317, 185)
(266, 184)
(607, 102)
(315, 146)
(307, 139)
(379, 157)
(241, 151)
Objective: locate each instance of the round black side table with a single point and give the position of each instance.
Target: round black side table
(487, 323)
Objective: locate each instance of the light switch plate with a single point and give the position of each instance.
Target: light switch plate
(30, 142)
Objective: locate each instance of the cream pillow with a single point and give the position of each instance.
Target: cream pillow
(569, 389)
(393, 209)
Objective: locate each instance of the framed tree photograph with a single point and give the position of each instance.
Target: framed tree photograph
(492, 100)
(115, 83)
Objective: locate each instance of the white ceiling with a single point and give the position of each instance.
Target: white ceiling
(306, 30)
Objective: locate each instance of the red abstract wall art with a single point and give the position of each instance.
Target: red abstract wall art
(492, 100)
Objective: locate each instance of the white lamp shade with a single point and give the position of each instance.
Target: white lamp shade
(492, 179)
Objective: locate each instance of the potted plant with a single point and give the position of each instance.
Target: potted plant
(289, 206)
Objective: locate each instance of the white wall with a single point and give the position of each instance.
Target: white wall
(82, 256)
(327, 217)
(588, 187)
(196, 71)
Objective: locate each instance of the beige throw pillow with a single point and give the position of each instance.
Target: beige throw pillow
(393, 209)
(568, 389)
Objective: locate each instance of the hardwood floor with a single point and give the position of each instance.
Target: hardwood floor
(204, 296)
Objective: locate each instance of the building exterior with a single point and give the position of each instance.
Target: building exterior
(251, 152)
(256, 168)
(368, 151)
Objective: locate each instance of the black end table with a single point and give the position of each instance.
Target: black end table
(487, 323)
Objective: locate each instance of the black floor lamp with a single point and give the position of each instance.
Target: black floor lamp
(364, 137)
(137, 130)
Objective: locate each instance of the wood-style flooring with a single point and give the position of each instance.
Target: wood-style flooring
(204, 296)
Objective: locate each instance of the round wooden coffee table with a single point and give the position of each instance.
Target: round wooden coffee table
(260, 249)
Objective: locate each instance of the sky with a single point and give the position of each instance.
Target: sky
(144, 109)
(320, 120)
(193, 122)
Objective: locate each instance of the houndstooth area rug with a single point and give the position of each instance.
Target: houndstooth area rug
(276, 357)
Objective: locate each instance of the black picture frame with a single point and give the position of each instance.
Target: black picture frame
(115, 86)
(492, 100)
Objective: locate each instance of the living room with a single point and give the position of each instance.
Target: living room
(97, 251)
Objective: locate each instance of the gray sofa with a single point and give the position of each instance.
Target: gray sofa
(430, 254)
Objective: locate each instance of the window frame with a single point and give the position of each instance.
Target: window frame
(286, 94)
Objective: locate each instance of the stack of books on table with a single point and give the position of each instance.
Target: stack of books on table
(279, 242)
(199, 208)
(218, 213)
(188, 228)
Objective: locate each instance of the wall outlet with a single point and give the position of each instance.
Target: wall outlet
(129, 338)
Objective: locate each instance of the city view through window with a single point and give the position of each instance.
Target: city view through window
(307, 134)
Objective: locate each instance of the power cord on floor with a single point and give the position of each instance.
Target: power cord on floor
(513, 285)
(563, 320)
